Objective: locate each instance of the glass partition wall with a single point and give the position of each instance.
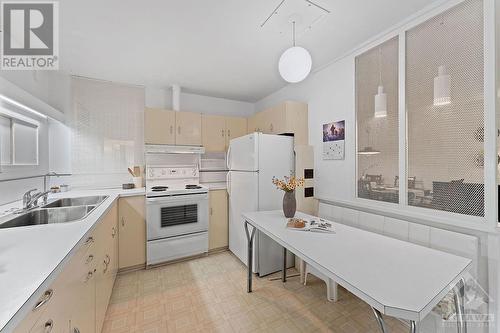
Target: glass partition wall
(377, 122)
(444, 98)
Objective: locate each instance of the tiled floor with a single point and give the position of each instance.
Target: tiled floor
(209, 295)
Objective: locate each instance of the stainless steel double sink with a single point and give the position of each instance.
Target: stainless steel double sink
(63, 210)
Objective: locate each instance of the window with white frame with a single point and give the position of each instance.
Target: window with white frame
(444, 110)
(18, 141)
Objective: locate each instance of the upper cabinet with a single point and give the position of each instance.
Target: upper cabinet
(159, 126)
(219, 130)
(235, 127)
(188, 128)
(170, 127)
(286, 118)
(214, 132)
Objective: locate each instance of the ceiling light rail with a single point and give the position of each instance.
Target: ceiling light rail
(316, 5)
(275, 11)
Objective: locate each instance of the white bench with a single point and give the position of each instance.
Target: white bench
(444, 240)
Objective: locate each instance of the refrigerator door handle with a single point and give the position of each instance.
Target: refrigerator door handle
(228, 157)
(228, 183)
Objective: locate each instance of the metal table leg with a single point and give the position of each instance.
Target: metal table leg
(283, 271)
(459, 298)
(380, 320)
(250, 237)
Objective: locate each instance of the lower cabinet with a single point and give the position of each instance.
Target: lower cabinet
(218, 231)
(77, 300)
(106, 265)
(132, 229)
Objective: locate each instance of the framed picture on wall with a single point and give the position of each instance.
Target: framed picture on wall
(334, 140)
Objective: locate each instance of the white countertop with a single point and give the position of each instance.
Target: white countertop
(31, 257)
(398, 278)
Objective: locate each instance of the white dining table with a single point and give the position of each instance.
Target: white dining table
(396, 278)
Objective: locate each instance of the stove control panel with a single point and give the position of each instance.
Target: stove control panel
(160, 172)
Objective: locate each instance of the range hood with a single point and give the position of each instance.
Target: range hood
(173, 149)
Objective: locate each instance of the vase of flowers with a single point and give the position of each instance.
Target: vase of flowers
(288, 185)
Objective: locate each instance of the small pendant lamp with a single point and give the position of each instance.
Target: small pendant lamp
(442, 87)
(381, 96)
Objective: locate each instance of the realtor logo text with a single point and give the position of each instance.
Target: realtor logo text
(30, 36)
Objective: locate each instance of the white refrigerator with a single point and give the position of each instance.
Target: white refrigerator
(252, 161)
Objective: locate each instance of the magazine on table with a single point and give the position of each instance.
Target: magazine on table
(314, 225)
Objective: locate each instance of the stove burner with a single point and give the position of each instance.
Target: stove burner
(159, 188)
(192, 187)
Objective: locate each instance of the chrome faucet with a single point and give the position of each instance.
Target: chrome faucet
(27, 197)
(30, 201)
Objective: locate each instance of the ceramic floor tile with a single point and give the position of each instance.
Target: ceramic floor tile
(209, 295)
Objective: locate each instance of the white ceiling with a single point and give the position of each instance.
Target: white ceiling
(214, 47)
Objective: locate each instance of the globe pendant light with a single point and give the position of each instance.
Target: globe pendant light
(442, 87)
(380, 97)
(295, 63)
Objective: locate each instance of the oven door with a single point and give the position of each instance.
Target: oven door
(176, 215)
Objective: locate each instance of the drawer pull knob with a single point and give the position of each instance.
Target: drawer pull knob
(89, 240)
(89, 276)
(49, 325)
(47, 295)
(90, 258)
(113, 232)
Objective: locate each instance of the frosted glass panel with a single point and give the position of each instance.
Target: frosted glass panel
(107, 132)
(5, 141)
(445, 108)
(25, 147)
(377, 122)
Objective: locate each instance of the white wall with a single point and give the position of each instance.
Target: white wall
(330, 97)
(162, 98)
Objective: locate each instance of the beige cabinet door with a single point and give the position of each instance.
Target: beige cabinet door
(132, 232)
(214, 132)
(235, 127)
(257, 123)
(218, 231)
(188, 128)
(159, 126)
(252, 124)
(276, 120)
(106, 238)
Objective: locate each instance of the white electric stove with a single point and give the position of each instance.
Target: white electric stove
(177, 213)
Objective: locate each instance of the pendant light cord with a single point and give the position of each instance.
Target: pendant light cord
(293, 29)
(380, 66)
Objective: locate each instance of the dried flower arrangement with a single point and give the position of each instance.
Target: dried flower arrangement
(288, 184)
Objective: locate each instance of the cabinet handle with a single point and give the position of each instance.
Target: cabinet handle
(178, 130)
(76, 330)
(123, 221)
(90, 274)
(211, 211)
(90, 258)
(229, 133)
(49, 325)
(271, 127)
(113, 232)
(171, 129)
(89, 241)
(107, 260)
(222, 131)
(44, 299)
